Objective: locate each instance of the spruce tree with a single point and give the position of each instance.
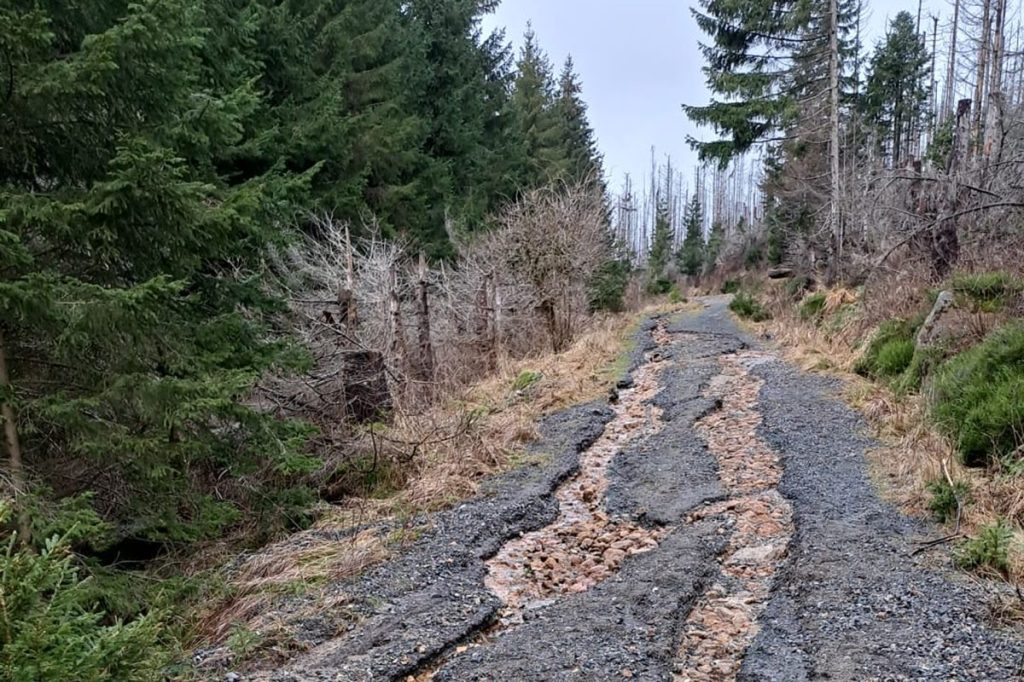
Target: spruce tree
(896, 97)
(716, 242)
(582, 157)
(660, 257)
(766, 62)
(464, 101)
(344, 78)
(132, 340)
(540, 152)
(692, 253)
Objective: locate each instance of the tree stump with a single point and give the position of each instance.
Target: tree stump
(366, 393)
(930, 328)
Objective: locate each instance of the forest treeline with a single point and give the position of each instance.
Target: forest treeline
(841, 154)
(154, 156)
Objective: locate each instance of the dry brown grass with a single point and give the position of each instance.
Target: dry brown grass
(442, 454)
(912, 452)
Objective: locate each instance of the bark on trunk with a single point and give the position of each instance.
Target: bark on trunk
(835, 262)
(980, 81)
(426, 347)
(350, 312)
(398, 351)
(947, 108)
(12, 444)
(994, 115)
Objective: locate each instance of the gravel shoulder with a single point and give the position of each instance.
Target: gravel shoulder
(852, 603)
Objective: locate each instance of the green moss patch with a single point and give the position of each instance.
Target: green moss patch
(812, 307)
(987, 290)
(889, 352)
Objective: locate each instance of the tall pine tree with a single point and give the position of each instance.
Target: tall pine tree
(660, 257)
(130, 338)
(583, 160)
(895, 102)
(692, 253)
(538, 135)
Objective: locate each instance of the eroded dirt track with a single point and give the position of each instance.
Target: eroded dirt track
(715, 523)
(584, 546)
(757, 518)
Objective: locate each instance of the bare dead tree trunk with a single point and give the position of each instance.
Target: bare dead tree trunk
(835, 216)
(947, 107)
(10, 440)
(979, 86)
(426, 363)
(484, 327)
(349, 310)
(496, 317)
(935, 82)
(945, 243)
(398, 350)
(547, 310)
(994, 115)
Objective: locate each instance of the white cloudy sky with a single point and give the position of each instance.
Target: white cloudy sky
(640, 61)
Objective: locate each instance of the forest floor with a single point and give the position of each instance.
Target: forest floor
(713, 521)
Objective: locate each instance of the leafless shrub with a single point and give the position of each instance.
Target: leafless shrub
(387, 332)
(554, 240)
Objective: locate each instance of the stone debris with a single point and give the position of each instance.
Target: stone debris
(584, 546)
(723, 624)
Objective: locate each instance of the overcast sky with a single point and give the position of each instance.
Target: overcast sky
(640, 61)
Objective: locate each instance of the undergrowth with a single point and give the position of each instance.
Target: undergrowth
(746, 306)
(987, 290)
(988, 551)
(947, 499)
(51, 627)
(812, 307)
(978, 398)
(890, 351)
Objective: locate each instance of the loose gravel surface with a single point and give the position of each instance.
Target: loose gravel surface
(751, 546)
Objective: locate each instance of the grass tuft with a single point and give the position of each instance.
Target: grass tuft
(987, 290)
(526, 379)
(894, 357)
(813, 306)
(889, 352)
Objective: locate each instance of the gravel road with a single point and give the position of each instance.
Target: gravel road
(847, 599)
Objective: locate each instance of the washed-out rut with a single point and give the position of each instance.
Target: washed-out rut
(715, 523)
(584, 545)
(723, 623)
